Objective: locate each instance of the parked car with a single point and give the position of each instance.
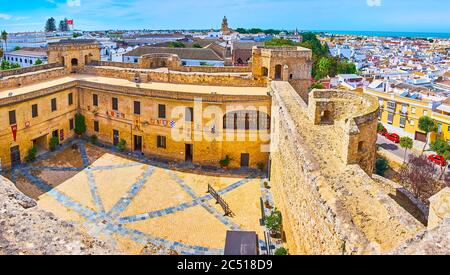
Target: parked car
(439, 160)
(383, 132)
(393, 137)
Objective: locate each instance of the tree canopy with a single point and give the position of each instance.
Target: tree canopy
(50, 25)
(324, 64)
(428, 125)
(5, 65)
(63, 26)
(258, 30)
(176, 44)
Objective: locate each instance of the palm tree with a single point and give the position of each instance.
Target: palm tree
(427, 125)
(5, 38)
(407, 144)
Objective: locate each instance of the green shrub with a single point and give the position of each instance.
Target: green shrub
(381, 166)
(261, 166)
(273, 222)
(80, 124)
(225, 162)
(54, 142)
(38, 62)
(121, 145)
(31, 155)
(94, 139)
(281, 251)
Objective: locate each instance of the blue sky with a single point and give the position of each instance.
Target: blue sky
(365, 15)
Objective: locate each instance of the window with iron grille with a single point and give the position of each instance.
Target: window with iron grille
(53, 104)
(390, 118)
(137, 108)
(161, 111)
(34, 110)
(95, 100)
(12, 117)
(161, 142)
(96, 126)
(70, 98)
(391, 105)
(115, 104)
(402, 122)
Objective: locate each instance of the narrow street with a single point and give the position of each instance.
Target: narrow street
(399, 152)
(393, 148)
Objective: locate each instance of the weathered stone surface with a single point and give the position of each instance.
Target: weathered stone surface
(27, 230)
(432, 242)
(439, 208)
(329, 204)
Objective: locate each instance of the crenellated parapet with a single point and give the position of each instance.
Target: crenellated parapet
(74, 54)
(356, 116)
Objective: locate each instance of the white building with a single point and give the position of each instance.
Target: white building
(33, 39)
(26, 57)
(116, 55)
(188, 56)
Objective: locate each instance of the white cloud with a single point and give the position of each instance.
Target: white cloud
(5, 16)
(74, 3)
(374, 3)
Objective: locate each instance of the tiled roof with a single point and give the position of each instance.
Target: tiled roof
(74, 41)
(183, 53)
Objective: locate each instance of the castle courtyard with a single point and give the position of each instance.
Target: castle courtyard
(138, 205)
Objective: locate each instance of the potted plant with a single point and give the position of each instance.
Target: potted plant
(54, 142)
(94, 139)
(121, 145)
(281, 251)
(31, 155)
(224, 163)
(80, 125)
(261, 166)
(273, 223)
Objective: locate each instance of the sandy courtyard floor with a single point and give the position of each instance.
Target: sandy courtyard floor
(133, 205)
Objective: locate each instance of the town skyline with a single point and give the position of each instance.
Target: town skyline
(367, 15)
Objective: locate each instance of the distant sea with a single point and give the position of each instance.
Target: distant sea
(390, 34)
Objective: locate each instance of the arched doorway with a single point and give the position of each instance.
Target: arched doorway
(74, 63)
(265, 72)
(86, 60)
(278, 72)
(62, 61)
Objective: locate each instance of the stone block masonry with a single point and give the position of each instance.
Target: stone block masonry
(329, 205)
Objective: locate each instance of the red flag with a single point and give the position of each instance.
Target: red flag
(69, 22)
(14, 131)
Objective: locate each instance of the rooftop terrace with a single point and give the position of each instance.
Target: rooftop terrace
(169, 87)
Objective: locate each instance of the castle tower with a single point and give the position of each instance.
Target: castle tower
(225, 29)
(74, 54)
(292, 64)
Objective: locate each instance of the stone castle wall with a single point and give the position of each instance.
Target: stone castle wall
(36, 68)
(330, 205)
(178, 77)
(357, 124)
(313, 219)
(209, 69)
(15, 81)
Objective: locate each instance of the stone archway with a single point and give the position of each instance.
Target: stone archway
(74, 65)
(278, 72)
